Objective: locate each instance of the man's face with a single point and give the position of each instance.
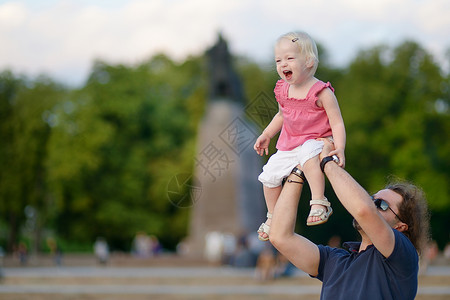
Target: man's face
(393, 200)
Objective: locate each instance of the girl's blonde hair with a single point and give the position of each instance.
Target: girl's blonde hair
(306, 46)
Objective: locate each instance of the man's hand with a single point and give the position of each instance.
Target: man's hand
(262, 144)
(328, 147)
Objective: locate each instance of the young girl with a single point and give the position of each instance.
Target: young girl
(308, 110)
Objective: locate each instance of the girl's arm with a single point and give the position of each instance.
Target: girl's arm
(275, 125)
(262, 143)
(328, 101)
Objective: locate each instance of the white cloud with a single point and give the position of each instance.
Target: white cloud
(12, 14)
(62, 38)
(434, 17)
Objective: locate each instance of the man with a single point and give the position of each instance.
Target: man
(393, 225)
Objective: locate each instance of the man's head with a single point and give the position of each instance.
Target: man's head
(413, 210)
(388, 203)
(404, 207)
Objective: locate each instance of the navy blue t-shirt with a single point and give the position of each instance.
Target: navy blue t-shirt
(368, 274)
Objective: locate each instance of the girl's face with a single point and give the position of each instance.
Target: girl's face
(291, 64)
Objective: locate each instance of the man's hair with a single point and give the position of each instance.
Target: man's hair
(413, 210)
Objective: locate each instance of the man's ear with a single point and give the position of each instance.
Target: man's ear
(402, 227)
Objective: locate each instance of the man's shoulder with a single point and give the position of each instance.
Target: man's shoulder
(404, 248)
(327, 251)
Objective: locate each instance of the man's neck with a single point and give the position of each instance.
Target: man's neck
(365, 241)
(364, 244)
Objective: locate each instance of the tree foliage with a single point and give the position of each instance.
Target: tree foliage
(389, 106)
(395, 105)
(96, 161)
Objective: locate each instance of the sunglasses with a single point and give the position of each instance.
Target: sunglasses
(381, 204)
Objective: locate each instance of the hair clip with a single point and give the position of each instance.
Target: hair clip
(295, 39)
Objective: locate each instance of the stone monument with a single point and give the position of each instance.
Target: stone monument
(230, 203)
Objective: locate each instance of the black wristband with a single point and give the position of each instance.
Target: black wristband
(299, 173)
(327, 159)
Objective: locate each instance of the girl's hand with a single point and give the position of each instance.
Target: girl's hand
(341, 155)
(262, 145)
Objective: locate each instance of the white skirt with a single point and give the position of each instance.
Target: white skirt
(280, 164)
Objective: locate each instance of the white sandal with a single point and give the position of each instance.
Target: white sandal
(320, 212)
(264, 228)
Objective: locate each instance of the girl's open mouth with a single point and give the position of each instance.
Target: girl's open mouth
(287, 74)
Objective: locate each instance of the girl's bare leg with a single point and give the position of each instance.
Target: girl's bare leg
(316, 181)
(271, 195)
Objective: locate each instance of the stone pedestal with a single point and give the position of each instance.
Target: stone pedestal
(230, 201)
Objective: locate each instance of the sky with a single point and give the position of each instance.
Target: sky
(63, 38)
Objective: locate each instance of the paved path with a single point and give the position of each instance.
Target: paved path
(157, 272)
(109, 272)
(162, 289)
(159, 281)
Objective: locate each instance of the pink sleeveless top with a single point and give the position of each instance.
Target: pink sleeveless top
(302, 118)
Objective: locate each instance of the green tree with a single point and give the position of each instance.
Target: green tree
(96, 161)
(24, 130)
(389, 99)
(130, 130)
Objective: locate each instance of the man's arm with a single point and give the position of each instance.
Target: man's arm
(297, 249)
(359, 204)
